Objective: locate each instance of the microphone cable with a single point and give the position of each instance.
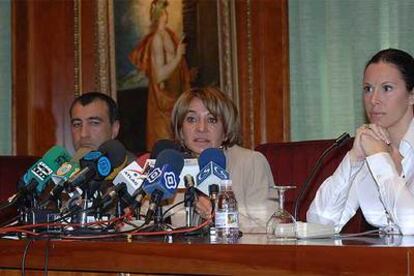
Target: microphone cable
(338, 143)
(6, 204)
(26, 250)
(164, 216)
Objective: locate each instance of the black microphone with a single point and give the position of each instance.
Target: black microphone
(337, 144)
(119, 192)
(189, 197)
(97, 165)
(213, 191)
(161, 145)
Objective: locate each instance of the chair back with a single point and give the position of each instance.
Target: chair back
(291, 164)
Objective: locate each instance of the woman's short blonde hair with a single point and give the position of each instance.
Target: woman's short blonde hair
(217, 103)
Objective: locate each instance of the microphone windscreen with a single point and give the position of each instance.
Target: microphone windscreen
(188, 181)
(212, 154)
(55, 157)
(115, 151)
(162, 145)
(117, 170)
(171, 157)
(43, 169)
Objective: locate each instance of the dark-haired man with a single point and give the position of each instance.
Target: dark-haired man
(94, 120)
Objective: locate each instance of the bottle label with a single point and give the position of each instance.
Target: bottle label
(227, 219)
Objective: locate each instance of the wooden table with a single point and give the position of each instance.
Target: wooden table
(251, 256)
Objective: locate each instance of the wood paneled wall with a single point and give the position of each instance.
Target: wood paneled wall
(44, 70)
(263, 57)
(44, 78)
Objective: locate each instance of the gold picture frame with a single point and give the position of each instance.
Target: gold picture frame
(105, 47)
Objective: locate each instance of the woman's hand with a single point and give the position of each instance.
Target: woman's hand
(374, 139)
(369, 139)
(357, 152)
(377, 140)
(203, 207)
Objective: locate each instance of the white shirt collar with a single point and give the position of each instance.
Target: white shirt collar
(407, 142)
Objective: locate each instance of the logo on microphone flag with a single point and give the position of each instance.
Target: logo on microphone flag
(42, 171)
(170, 180)
(212, 169)
(154, 174)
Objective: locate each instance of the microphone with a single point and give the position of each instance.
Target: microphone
(162, 145)
(337, 144)
(212, 163)
(213, 191)
(79, 154)
(96, 168)
(159, 146)
(67, 170)
(97, 165)
(189, 197)
(132, 175)
(120, 191)
(38, 176)
(163, 179)
(125, 183)
(190, 163)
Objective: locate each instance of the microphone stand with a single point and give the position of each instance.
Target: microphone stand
(158, 223)
(84, 208)
(213, 190)
(89, 202)
(338, 143)
(26, 201)
(189, 198)
(189, 206)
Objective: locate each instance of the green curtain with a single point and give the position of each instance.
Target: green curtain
(5, 77)
(330, 42)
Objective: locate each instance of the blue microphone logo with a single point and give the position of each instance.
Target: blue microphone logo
(104, 166)
(203, 174)
(154, 174)
(220, 172)
(170, 180)
(93, 155)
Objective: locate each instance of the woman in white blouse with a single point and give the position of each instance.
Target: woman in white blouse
(377, 174)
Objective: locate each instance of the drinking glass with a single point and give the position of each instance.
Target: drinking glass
(281, 225)
(391, 228)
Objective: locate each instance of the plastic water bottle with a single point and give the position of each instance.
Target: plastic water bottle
(227, 214)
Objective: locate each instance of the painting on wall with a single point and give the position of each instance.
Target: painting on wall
(162, 48)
